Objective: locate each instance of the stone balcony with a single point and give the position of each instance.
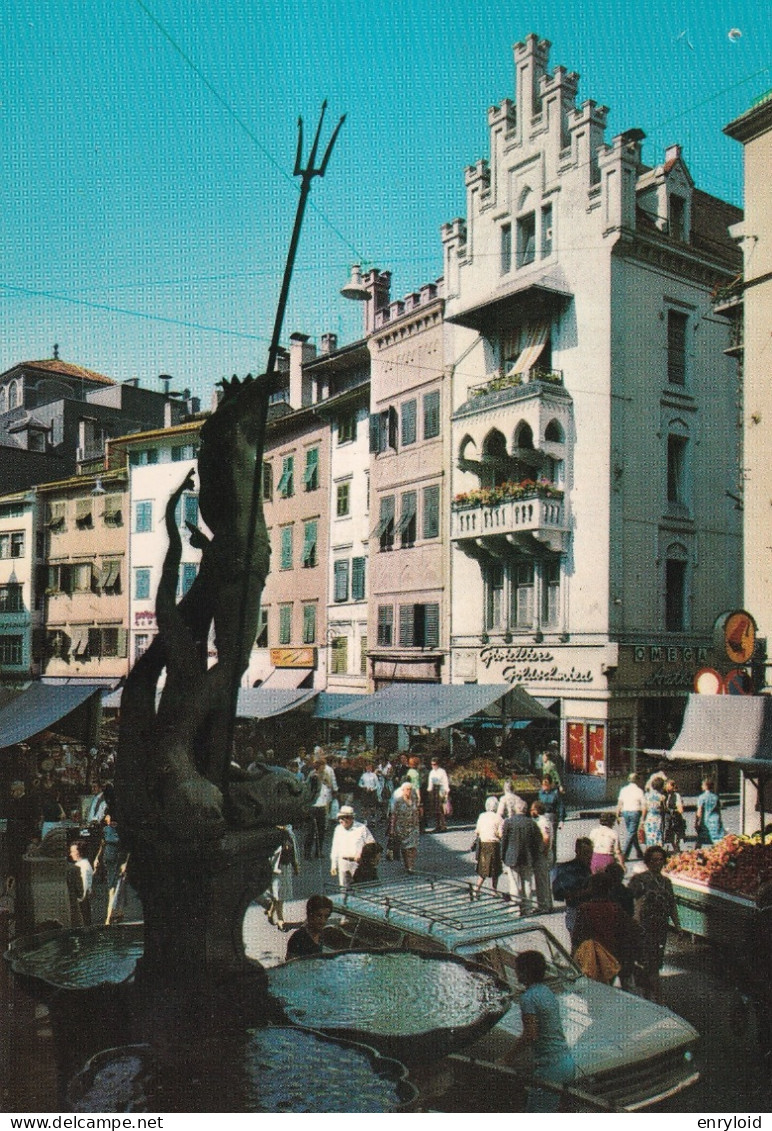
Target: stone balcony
(517, 520)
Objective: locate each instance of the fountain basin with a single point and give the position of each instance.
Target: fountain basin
(78, 958)
(272, 1069)
(407, 1004)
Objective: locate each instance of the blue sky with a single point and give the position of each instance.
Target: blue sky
(148, 147)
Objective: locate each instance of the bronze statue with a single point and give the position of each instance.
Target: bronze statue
(199, 834)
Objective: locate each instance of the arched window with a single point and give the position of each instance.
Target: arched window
(553, 433)
(13, 394)
(3, 399)
(495, 459)
(524, 436)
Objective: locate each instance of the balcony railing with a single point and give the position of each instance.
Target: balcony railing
(516, 381)
(536, 514)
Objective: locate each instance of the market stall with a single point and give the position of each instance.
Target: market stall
(720, 888)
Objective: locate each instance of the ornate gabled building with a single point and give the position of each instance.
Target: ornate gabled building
(594, 431)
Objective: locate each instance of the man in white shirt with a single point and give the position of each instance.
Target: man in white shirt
(629, 809)
(348, 840)
(438, 788)
(80, 881)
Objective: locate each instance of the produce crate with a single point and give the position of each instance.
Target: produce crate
(711, 914)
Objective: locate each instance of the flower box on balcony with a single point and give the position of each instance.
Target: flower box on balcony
(492, 496)
(516, 380)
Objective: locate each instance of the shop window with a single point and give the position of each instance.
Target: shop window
(586, 748)
(141, 644)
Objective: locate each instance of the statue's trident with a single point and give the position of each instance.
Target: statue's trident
(306, 177)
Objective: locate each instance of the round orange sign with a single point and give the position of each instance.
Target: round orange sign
(740, 637)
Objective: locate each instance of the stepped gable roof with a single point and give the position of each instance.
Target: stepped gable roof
(61, 368)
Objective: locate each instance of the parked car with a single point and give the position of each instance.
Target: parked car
(630, 1053)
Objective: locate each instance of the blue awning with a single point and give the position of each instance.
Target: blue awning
(267, 702)
(39, 707)
(440, 705)
(329, 703)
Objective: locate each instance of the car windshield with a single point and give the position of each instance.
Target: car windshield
(500, 956)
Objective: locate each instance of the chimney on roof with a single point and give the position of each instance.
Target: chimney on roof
(56, 351)
(301, 351)
(672, 153)
(329, 343)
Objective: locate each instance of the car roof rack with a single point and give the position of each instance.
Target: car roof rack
(452, 910)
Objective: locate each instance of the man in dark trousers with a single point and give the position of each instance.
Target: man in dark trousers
(521, 843)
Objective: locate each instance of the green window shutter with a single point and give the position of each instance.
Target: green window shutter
(311, 476)
(431, 415)
(309, 543)
(286, 547)
(340, 571)
(358, 579)
(406, 626)
(431, 518)
(309, 624)
(408, 412)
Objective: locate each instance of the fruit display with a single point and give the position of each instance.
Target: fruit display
(740, 865)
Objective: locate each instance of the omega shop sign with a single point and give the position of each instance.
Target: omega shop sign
(664, 668)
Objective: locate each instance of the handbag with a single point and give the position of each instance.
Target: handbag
(447, 808)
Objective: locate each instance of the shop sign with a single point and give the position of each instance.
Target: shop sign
(661, 667)
(539, 666)
(293, 657)
(145, 619)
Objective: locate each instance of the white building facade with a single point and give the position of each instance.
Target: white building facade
(595, 424)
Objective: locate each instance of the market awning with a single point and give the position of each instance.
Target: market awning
(266, 702)
(286, 677)
(38, 708)
(329, 703)
(440, 704)
(725, 728)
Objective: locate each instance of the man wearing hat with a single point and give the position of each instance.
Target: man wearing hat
(348, 840)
